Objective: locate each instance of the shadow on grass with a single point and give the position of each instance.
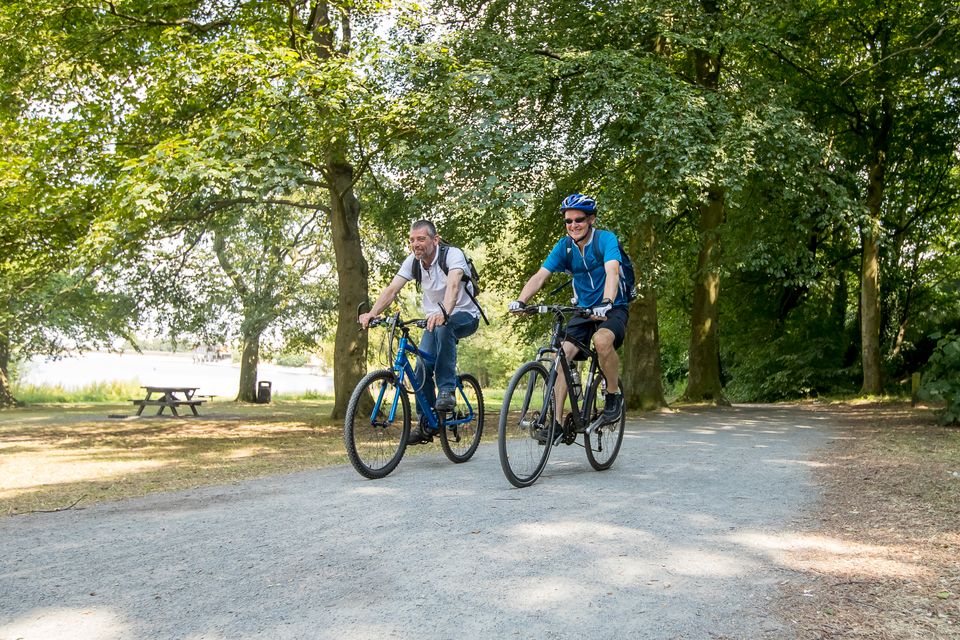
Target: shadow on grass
(49, 458)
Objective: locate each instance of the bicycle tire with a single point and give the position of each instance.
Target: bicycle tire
(460, 441)
(522, 457)
(376, 449)
(603, 445)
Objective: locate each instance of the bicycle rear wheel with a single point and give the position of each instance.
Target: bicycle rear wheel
(377, 424)
(522, 456)
(603, 445)
(463, 428)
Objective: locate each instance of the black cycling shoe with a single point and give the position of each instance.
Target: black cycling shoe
(612, 408)
(445, 401)
(542, 434)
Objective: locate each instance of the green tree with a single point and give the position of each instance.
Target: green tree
(881, 79)
(53, 179)
(656, 108)
(263, 104)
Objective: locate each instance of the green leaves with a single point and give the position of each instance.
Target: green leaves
(941, 377)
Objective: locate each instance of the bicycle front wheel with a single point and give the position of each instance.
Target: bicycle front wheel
(522, 456)
(462, 428)
(603, 445)
(377, 424)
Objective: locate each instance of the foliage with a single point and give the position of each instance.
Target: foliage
(145, 147)
(941, 378)
(286, 359)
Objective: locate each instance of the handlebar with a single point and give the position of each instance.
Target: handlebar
(556, 308)
(396, 321)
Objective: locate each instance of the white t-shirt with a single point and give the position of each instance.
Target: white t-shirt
(433, 282)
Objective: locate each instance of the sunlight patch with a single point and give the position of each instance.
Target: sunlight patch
(76, 624)
(24, 472)
(834, 556)
(375, 491)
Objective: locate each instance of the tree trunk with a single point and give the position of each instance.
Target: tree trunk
(249, 362)
(870, 283)
(6, 393)
(350, 344)
(641, 365)
(703, 382)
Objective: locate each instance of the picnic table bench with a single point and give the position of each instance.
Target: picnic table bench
(169, 397)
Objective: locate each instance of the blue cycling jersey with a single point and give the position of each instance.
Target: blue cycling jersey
(587, 270)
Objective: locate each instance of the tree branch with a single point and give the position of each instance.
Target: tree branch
(922, 45)
(179, 22)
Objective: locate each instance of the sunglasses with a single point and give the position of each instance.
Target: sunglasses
(569, 221)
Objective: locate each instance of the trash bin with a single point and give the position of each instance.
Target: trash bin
(263, 392)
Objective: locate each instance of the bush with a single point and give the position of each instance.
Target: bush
(941, 379)
(292, 359)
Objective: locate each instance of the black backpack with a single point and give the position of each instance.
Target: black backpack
(471, 279)
(628, 282)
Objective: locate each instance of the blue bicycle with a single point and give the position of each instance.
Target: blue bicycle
(378, 416)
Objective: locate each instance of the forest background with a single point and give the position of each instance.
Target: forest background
(786, 179)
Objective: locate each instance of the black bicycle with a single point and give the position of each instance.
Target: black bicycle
(526, 433)
(378, 415)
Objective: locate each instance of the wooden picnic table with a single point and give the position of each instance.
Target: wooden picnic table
(171, 397)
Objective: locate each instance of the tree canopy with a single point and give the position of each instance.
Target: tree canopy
(786, 177)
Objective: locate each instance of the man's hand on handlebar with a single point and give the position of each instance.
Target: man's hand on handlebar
(435, 320)
(600, 311)
(364, 319)
(517, 306)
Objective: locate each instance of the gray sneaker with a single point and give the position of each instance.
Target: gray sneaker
(445, 401)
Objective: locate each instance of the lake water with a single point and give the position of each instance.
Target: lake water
(155, 369)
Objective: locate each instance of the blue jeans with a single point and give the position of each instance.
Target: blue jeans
(442, 342)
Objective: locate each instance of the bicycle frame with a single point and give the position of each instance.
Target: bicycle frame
(580, 414)
(403, 371)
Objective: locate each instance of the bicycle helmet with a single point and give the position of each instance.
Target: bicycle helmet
(579, 202)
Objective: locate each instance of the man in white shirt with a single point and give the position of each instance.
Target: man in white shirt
(443, 332)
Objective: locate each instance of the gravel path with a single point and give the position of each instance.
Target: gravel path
(678, 540)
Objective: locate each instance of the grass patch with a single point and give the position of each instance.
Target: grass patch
(51, 456)
(55, 454)
(101, 391)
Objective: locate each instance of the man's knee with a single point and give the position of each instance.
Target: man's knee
(603, 340)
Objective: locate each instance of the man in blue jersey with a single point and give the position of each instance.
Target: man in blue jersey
(597, 285)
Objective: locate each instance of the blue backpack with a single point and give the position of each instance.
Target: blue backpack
(628, 278)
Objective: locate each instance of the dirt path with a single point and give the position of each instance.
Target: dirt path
(681, 539)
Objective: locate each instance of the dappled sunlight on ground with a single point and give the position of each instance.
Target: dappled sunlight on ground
(27, 472)
(565, 530)
(535, 595)
(812, 464)
(88, 623)
(835, 556)
(243, 452)
(52, 458)
(374, 491)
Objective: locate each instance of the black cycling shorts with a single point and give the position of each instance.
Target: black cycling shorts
(582, 329)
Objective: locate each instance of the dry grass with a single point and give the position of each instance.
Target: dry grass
(53, 457)
(881, 561)
(56, 457)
